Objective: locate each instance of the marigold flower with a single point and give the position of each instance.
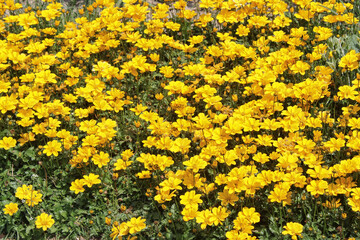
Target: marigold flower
(219, 215)
(107, 221)
(136, 225)
(317, 187)
(52, 148)
(227, 198)
(294, 229)
(203, 217)
(119, 230)
(250, 214)
(190, 198)
(91, 179)
(190, 212)
(23, 192)
(77, 186)
(349, 61)
(101, 159)
(11, 208)
(195, 164)
(7, 143)
(44, 221)
(34, 198)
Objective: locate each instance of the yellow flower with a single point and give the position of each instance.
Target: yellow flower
(227, 198)
(335, 144)
(23, 192)
(347, 92)
(250, 214)
(355, 204)
(171, 184)
(294, 229)
(188, 14)
(49, 14)
(203, 217)
(77, 186)
(44, 221)
(349, 61)
(144, 174)
(138, 109)
(122, 164)
(219, 215)
(261, 157)
(119, 230)
(300, 67)
(305, 14)
(319, 172)
(259, 21)
(195, 164)
(101, 159)
(167, 71)
(334, 203)
(52, 148)
(159, 96)
(172, 26)
(324, 33)
(280, 193)
(189, 213)
(136, 225)
(317, 187)
(242, 224)
(35, 47)
(164, 195)
(154, 57)
(34, 198)
(11, 208)
(190, 198)
(91, 179)
(7, 143)
(107, 221)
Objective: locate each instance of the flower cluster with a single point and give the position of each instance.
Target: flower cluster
(89, 180)
(130, 227)
(31, 197)
(27, 193)
(221, 112)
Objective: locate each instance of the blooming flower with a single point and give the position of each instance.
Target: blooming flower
(317, 187)
(77, 186)
(7, 143)
(23, 192)
(190, 198)
(91, 179)
(44, 221)
(349, 61)
(11, 208)
(294, 229)
(52, 148)
(219, 215)
(101, 159)
(203, 217)
(136, 225)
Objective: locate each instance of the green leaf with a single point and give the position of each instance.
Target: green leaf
(68, 200)
(274, 228)
(52, 229)
(30, 153)
(63, 213)
(29, 229)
